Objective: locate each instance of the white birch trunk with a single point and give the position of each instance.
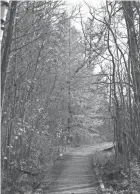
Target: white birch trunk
(4, 10)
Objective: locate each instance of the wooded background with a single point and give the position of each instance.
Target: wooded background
(53, 97)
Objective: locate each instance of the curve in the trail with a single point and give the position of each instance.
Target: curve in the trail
(76, 175)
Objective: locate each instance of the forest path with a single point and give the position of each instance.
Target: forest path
(76, 174)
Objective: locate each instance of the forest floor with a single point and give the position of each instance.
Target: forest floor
(114, 176)
(75, 173)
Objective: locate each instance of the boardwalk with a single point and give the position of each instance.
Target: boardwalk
(76, 175)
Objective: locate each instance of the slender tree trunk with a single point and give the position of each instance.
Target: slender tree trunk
(69, 84)
(4, 10)
(7, 45)
(134, 53)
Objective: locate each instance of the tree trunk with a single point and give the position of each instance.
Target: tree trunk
(133, 34)
(7, 45)
(4, 10)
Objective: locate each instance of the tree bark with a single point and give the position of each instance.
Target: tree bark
(7, 45)
(4, 10)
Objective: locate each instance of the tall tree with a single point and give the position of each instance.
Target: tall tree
(7, 43)
(4, 10)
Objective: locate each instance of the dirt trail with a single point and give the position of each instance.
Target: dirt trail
(76, 174)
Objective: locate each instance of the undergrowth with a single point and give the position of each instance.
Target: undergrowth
(115, 177)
